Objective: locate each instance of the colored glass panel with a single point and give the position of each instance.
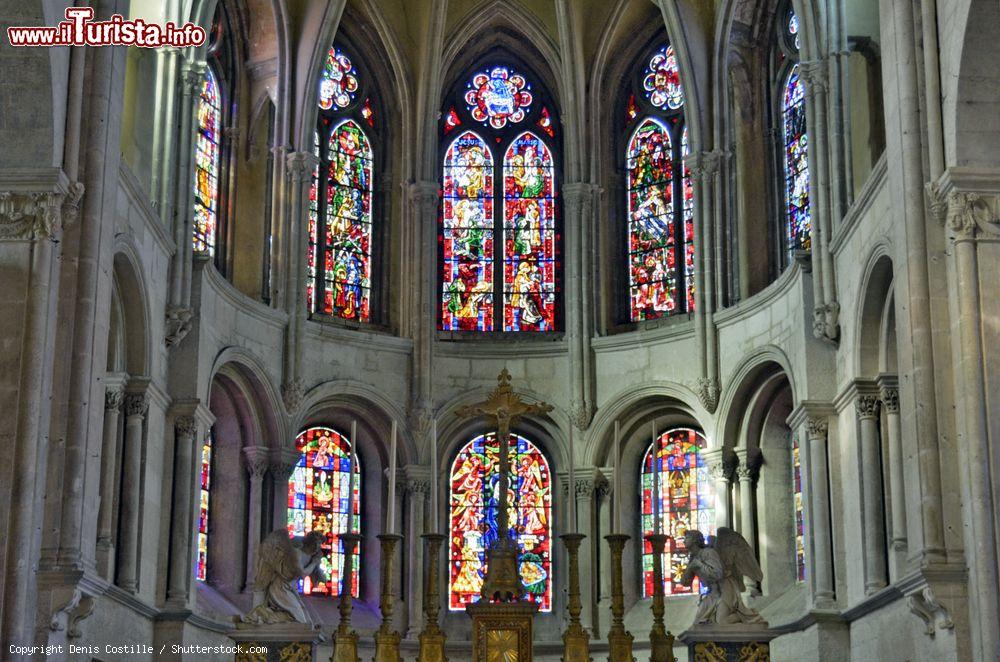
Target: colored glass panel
(368, 113)
(201, 565)
(651, 242)
(545, 123)
(796, 151)
(318, 495)
(311, 256)
(800, 525)
(687, 191)
(686, 500)
(467, 235)
(498, 96)
(451, 121)
(475, 477)
(347, 241)
(529, 236)
(206, 187)
(793, 29)
(339, 81)
(662, 80)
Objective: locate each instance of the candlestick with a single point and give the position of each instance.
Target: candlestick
(350, 477)
(616, 520)
(572, 485)
(345, 639)
(656, 481)
(576, 641)
(432, 638)
(435, 481)
(387, 640)
(619, 640)
(661, 642)
(391, 511)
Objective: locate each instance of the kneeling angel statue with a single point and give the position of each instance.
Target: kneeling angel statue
(281, 563)
(720, 564)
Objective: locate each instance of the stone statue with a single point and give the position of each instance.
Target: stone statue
(721, 564)
(281, 562)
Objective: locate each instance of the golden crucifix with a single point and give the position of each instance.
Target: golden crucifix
(503, 407)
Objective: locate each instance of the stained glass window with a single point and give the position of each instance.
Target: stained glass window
(206, 186)
(529, 236)
(475, 477)
(796, 151)
(800, 527)
(339, 260)
(662, 80)
(201, 567)
(467, 235)
(318, 496)
(659, 194)
(686, 502)
(498, 96)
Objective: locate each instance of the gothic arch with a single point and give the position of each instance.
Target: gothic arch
(874, 294)
(130, 291)
(256, 379)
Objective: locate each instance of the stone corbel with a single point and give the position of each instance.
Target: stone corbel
(179, 320)
(581, 415)
(69, 616)
(708, 391)
(292, 393)
(934, 615)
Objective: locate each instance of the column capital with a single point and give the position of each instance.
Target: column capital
(814, 74)
(720, 466)
(748, 462)
(114, 397)
(136, 404)
(258, 460)
(424, 195)
(866, 406)
(186, 426)
(192, 75)
(283, 462)
(301, 165)
(816, 428)
(28, 215)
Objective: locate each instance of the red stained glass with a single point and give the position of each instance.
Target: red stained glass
(339, 81)
(474, 526)
(796, 146)
(467, 235)
(662, 80)
(498, 96)
(318, 496)
(545, 123)
(451, 121)
(687, 501)
(529, 236)
(201, 563)
(206, 188)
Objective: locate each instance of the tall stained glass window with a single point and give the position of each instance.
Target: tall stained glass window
(660, 195)
(339, 262)
(474, 481)
(207, 159)
(790, 117)
(800, 525)
(318, 497)
(201, 567)
(499, 232)
(686, 501)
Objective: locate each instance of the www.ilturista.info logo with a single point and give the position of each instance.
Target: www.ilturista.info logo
(79, 29)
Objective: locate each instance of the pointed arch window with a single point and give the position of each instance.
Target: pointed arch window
(686, 501)
(474, 480)
(342, 200)
(207, 163)
(499, 234)
(204, 496)
(659, 193)
(792, 128)
(318, 497)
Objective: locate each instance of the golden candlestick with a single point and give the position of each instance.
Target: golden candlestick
(386, 639)
(619, 641)
(576, 641)
(345, 639)
(661, 642)
(432, 637)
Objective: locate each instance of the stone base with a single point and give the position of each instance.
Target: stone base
(284, 642)
(502, 631)
(728, 643)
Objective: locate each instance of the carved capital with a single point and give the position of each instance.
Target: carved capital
(186, 426)
(29, 215)
(136, 404)
(192, 75)
(578, 198)
(971, 214)
(71, 203)
(816, 428)
(937, 202)
(708, 393)
(283, 463)
(300, 166)
(601, 486)
(585, 488)
(866, 406)
(819, 322)
(292, 393)
(424, 196)
(744, 473)
(420, 419)
(814, 75)
(258, 460)
(705, 165)
(113, 398)
(178, 323)
(417, 486)
(890, 399)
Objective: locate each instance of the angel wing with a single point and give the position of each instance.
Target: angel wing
(737, 556)
(276, 559)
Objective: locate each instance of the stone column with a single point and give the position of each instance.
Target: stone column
(113, 399)
(889, 394)
(821, 544)
(871, 491)
(415, 523)
(136, 406)
(182, 511)
(282, 465)
(257, 458)
(579, 199)
(746, 474)
(721, 473)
